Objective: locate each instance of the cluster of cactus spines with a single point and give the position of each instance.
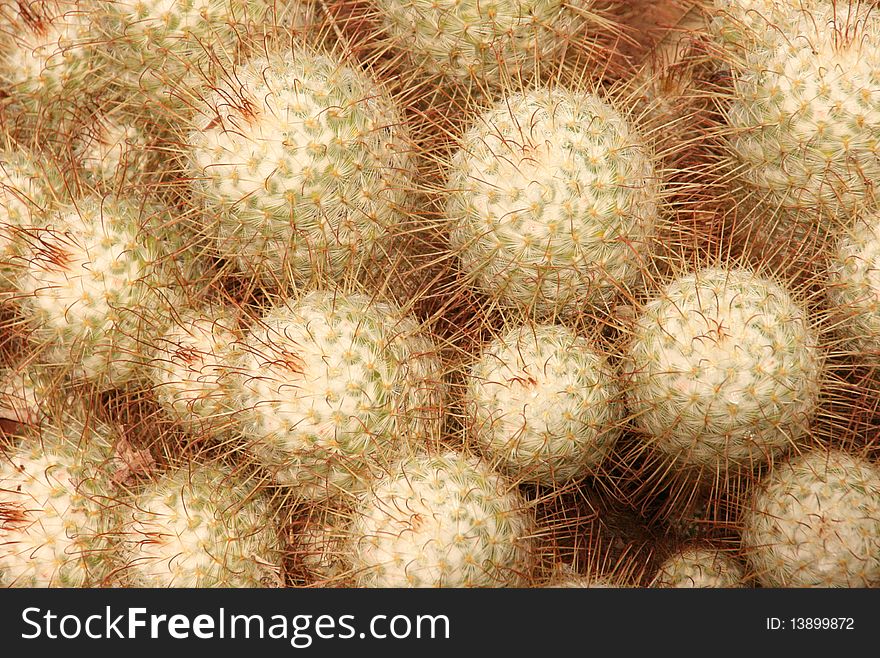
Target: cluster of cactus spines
(190, 365)
(803, 122)
(48, 59)
(27, 191)
(330, 386)
(318, 543)
(814, 521)
(553, 202)
(740, 24)
(543, 404)
(700, 566)
(59, 510)
(304, 160)
(443, 520)
(201, 526)
(90, 287)
(854, 287)
(31, 393)
(479, 44)
(724, 368)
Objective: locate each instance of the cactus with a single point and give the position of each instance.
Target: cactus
(699, 566)
(724, 369)
(91, 287)
(814, 521)
(552, 201)
(441, 521)
(48, 58)
(59, 515)
(543, 404)
(201, 526)
(481, 43)
(190, 368)
(803, 120)
(303, 157)
(331, 386)
(854, 288)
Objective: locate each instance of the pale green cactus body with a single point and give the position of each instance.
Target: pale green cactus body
(804, 118)
(484, 43)
(190, 368)
(91, 288)
(724, 369)
(332, 386)
(304, 161)
(446, 520)
(543, 404)
(552, 202)
(59, 519)
(700, 566)
(854, 288)
(814, 521)
(201, 526)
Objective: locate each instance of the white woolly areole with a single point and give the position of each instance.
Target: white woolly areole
(23, 194)
(854, 287)
(56, 517)
(699, 566)
(191, 363)
(542, 403)
(89, 289)
(805, 116)
(201, 528)
(441, 521)
(473, 40)
(333, 385)
(724, 369)
(814, 521)
(552, 202)
(305, 160)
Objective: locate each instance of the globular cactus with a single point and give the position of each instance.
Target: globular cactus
(543, 404)
(552, 202)
(700, 566)
(803, 121)
(814, 521)
(59, 506)
(331, 386)
(48, 60)
(724, 368)
(91, 285)
(444, 520)
(304, 161)
(200, 526)
(854, 288)
(482, 44)
(190, 367)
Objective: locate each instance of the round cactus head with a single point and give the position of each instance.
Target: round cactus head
(552, 202)
(331, 386)
(543, 404)
(803, 121)
(91, 286)
(444, 520)
(814, 521)
(303, 159)
(700, 566)
(724, 369)
(59, 507)
(201, 526)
